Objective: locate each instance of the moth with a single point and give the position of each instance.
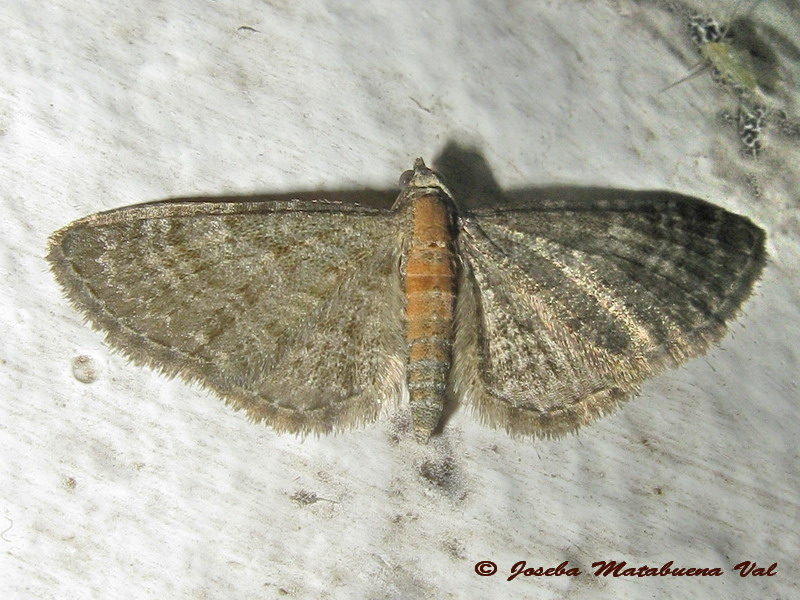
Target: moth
(317, 316)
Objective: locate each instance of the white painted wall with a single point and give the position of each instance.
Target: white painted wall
(138, 487)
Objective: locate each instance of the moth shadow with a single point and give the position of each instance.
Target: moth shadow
(472, 183)
(370, 198)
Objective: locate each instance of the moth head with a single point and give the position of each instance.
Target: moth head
(421, 177)
(421, 181)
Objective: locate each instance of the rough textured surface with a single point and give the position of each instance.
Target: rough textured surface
(135, 486)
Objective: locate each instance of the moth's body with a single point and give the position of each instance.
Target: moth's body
(316, 316)
(429, 276)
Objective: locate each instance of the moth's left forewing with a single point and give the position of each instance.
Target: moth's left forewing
(565, 308)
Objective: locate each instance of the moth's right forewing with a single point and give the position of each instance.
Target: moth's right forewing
(292, 311)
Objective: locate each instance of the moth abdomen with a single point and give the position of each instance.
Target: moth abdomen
(430, 299)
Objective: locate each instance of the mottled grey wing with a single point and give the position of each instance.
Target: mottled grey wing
(292, 311)
(564, 309)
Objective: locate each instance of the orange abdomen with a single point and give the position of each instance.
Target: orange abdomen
(430, 298)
